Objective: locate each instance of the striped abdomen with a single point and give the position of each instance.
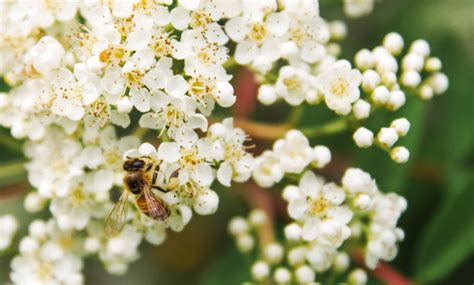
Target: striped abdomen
(154, 208)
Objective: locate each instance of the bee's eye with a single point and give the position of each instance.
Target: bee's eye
(138, 163)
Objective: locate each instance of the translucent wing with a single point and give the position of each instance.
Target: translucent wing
(117, 217)
(157, 208)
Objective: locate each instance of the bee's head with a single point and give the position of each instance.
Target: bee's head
(133, 164)
(134, 183)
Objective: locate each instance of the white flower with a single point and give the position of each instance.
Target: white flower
(87, 197)
(292, 85)
(319, 208)
(237, 163)
(256, 35)
(267, 170)
(307, 32)
(55, 161)
(340, 86)
(294, 152)
(48, 260)
(383, 234)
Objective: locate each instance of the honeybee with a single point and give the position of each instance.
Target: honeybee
(141, 175)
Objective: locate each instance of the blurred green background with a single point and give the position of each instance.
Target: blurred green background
(438, 182)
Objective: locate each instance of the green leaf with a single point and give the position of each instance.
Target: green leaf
(230, 268)
(449, 238)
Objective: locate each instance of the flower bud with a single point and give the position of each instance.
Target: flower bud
(401, 125)
(364, 59)
(397, 100)
(322, 156)
(400, 154)
(238, 226)
(297, 255)
(433, 64)
(293, 232)
(420, 47)
(387, 137)
(257, 217)
(410, 79)
(260, 270)
(381, 95)
(267, 95)
(341, 262)
(393, 42)
(282, 275)
(425, 92)
(413, 61)
(338, 30)
(28, 245)
(370, 80)
(361, 109)
(34, 202)
(357, 277)
(290, 193)
(245, 242)
(273, 253)
(389, 79)
(387, 64)
(362, 201)
(363, 137)
(305, 274)
(439, 82)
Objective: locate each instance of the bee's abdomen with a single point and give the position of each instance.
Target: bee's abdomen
(143, 205)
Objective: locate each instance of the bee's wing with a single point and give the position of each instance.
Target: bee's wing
(117, 217)
(156, 207)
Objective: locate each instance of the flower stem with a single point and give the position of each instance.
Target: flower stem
(330, 128)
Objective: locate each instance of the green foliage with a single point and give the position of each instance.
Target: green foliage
(449, 237)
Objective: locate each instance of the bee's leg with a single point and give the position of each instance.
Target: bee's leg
(159, 188)
(149, 166)
(155, 174)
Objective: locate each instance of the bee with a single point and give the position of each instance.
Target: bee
(141, 175)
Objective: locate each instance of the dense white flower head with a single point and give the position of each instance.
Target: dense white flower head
(92, 84)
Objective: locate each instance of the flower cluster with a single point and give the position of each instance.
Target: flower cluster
(93, 85)
(328, 221)
(290, 155)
